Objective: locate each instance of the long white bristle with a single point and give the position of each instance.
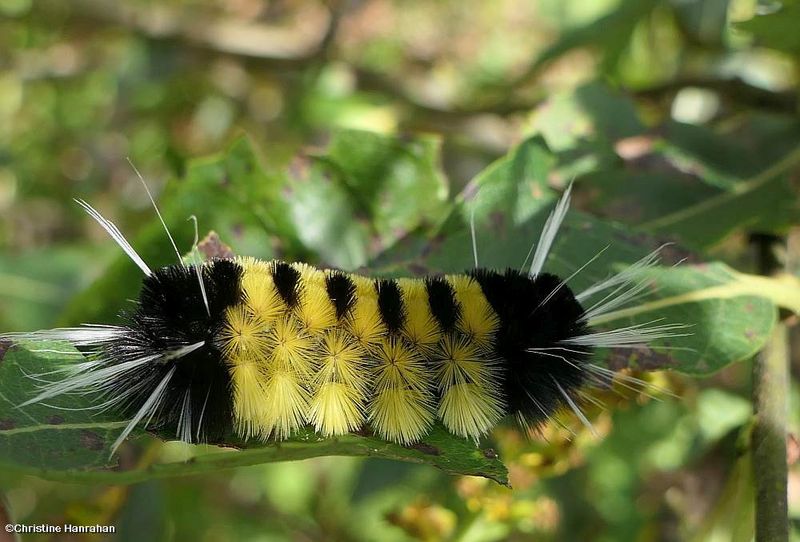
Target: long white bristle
(629, 337)
(578, 412)
(603, 375)
(148, 408)
(527, 257)
(198, 265)
(158, 213)
(619, 297)
(184, 429)
(524, 422)
(473, 236)
(116, 235)
(99, 376)
(627, 275)
(549, 232)
(572, 276)
(182, 351)
(89, 381)
(88, 335)
(198, 436)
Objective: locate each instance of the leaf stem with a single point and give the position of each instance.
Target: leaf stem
(787, 163)
(768, 440)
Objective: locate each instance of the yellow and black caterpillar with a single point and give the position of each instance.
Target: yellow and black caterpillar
(260, 349)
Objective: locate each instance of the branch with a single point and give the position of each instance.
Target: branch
(368, 80)
(768, 441)
(229, 36)
(733, 89)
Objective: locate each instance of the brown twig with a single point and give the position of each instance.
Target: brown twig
(222, 35)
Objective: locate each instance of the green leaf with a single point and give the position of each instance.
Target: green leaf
(705, 21)
(34, 284)
(364, 192)
(722, 159)
(74, 445)
(613, 114)
(396, 181)
(719, 412)
(593, 113)
(610, 33)
(699, 187)
(776, 30)
(678, 181)
(56, 436)
(765, 202)
(729, 314)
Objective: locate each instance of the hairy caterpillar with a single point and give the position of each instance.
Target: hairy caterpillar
(260, 349)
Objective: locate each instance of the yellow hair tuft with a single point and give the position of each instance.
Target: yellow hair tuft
(336, 409)
(250, 400)
(315, 309)
(286, 403)
(477, 319)
(288, 371)
(401, 408)
(243, 335)
(401, 415)
(420, 327)
(365, 286)
(364, 322)
(261, 295)
(471, 401)
(342, 360)
(337, 405)
(468, 411)
(292, 347)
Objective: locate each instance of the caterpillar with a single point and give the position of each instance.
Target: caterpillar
(260, 349)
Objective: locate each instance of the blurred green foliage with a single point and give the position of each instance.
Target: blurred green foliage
(678, 121)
